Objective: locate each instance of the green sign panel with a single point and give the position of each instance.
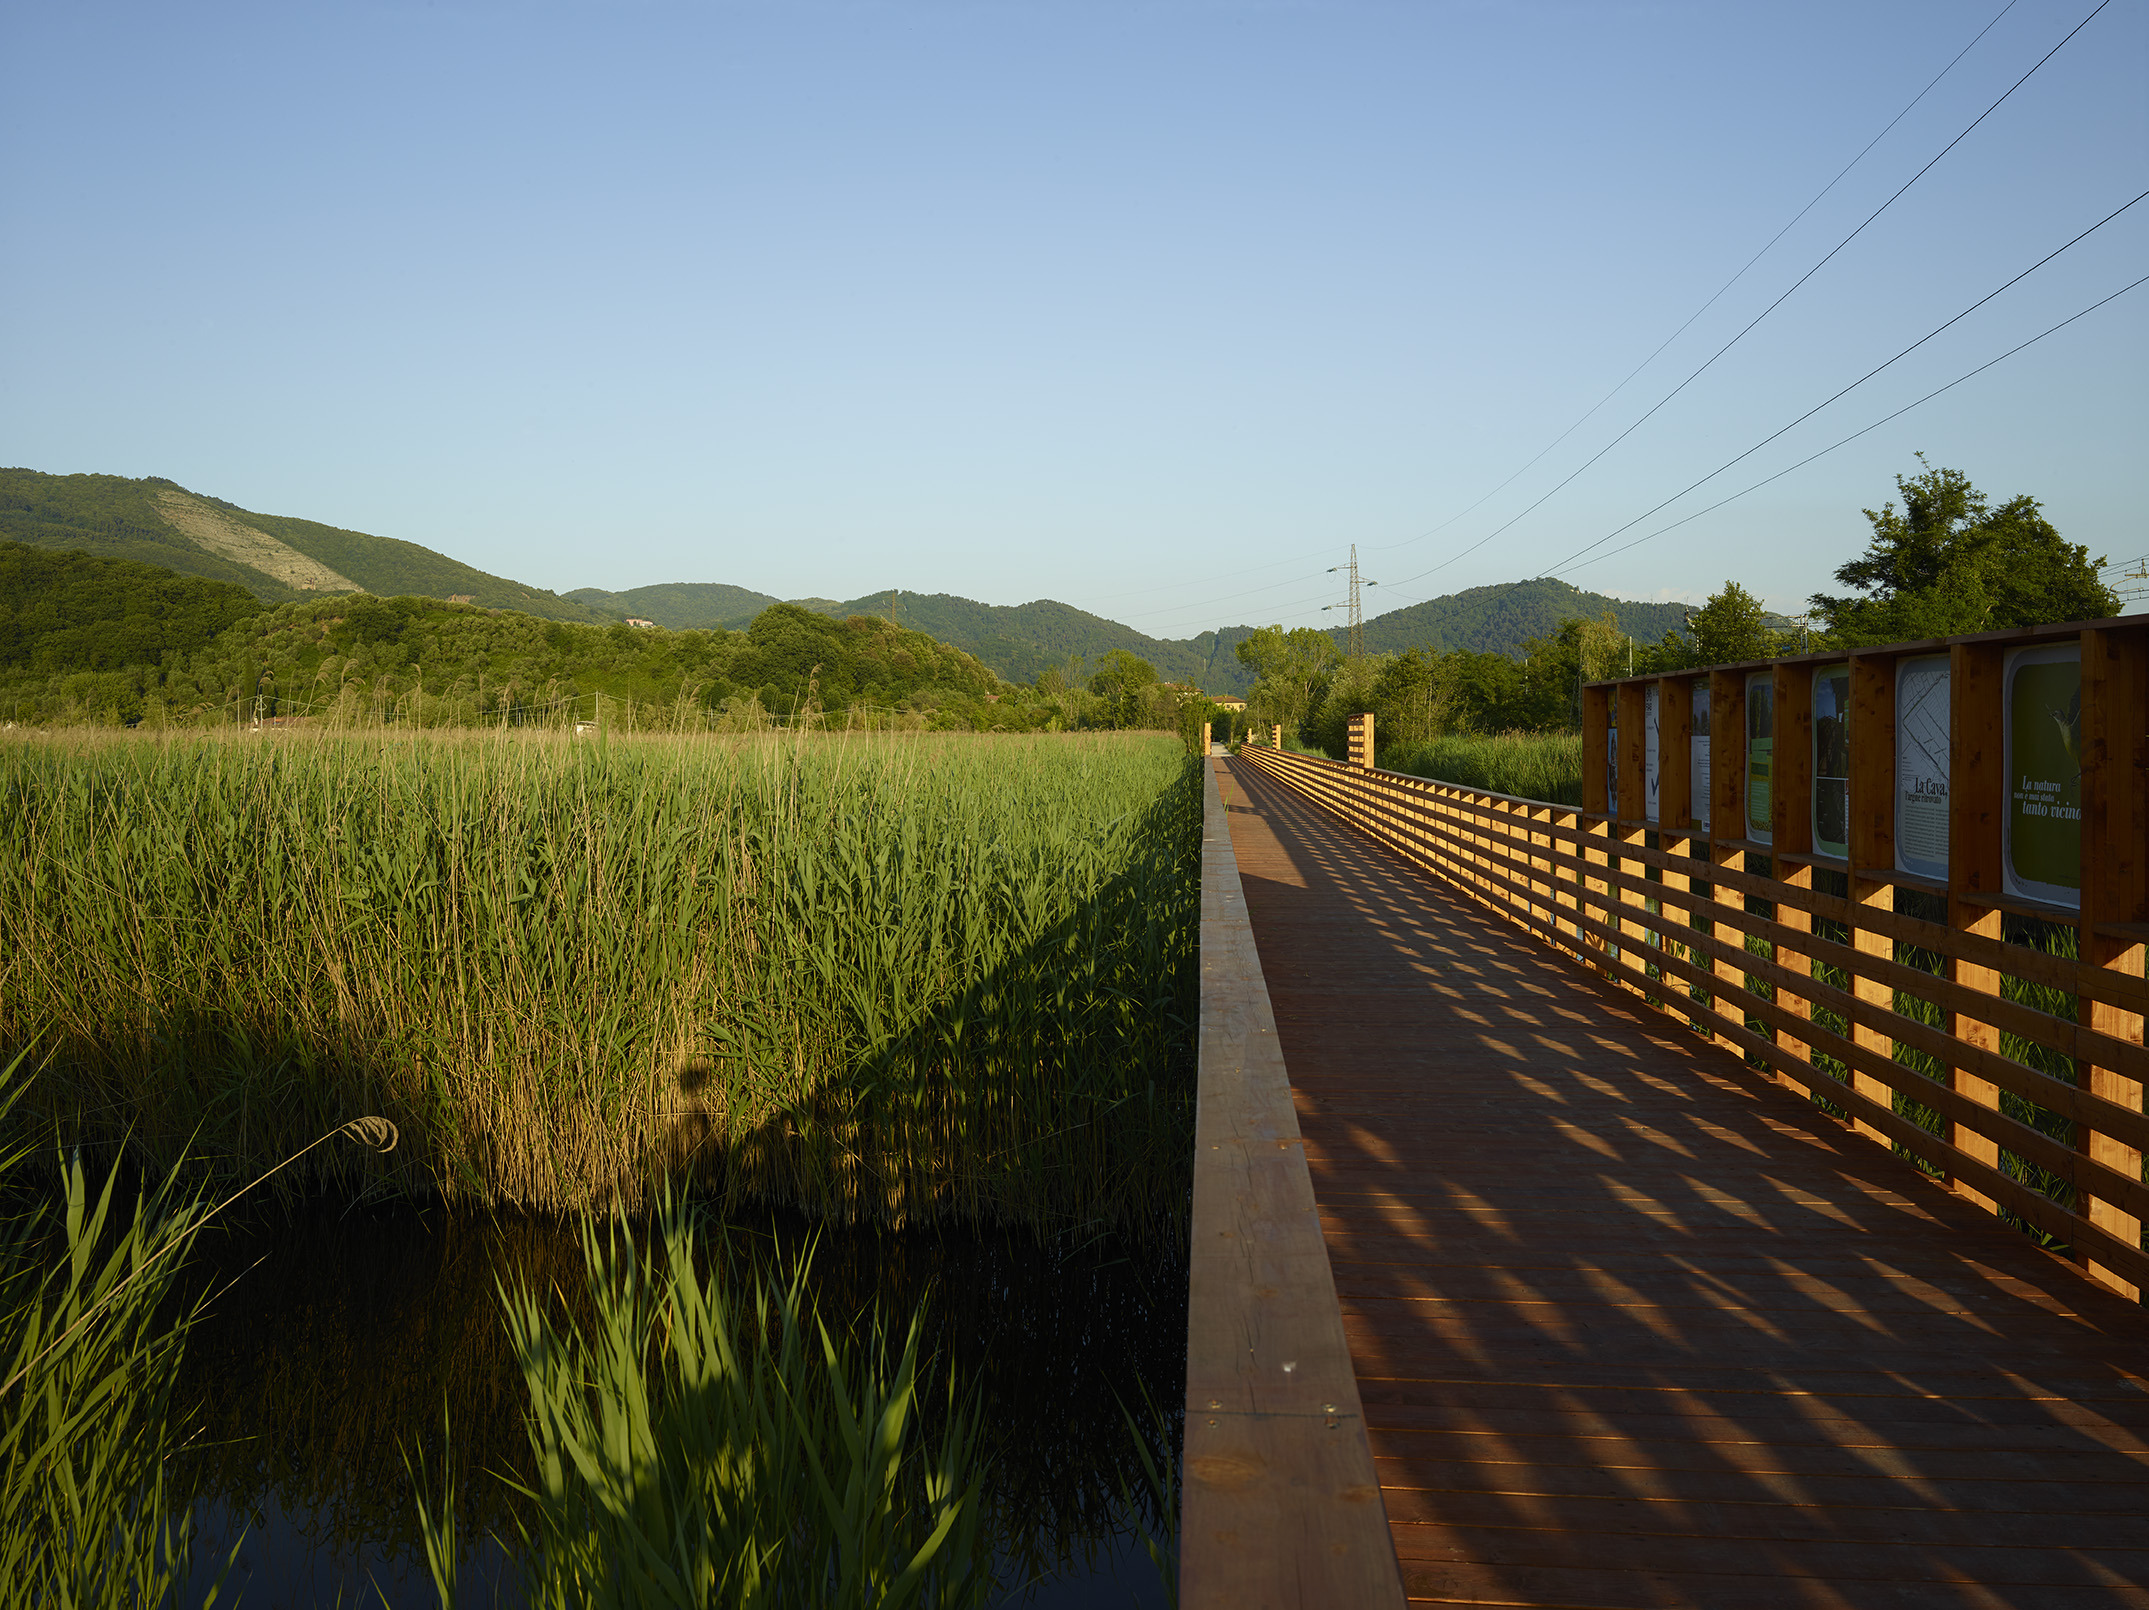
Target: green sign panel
(1760, 752)
(2044, 775)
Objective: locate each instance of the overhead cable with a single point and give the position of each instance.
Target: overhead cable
(1765, 312)
(1868, 430)
(1818, 196)
(1847, 390)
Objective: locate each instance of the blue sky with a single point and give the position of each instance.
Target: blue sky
(1151, 307)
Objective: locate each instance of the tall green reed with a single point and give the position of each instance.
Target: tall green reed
(1528, 765)
(874, 976)
(87, 1369)
(705, 1440)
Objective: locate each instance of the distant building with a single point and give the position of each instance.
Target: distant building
(462, 598)
(636, 620)
(1227, 701)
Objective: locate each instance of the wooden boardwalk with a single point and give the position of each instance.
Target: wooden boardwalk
(1634, 1327)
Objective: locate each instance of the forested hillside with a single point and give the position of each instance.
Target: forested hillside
(275, 557)
(1500, 620)
(78, 611)
(419, 660)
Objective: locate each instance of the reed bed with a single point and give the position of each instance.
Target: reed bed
(1527, 765)
(875, 977)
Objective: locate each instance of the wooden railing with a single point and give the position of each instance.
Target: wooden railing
(1822, 990)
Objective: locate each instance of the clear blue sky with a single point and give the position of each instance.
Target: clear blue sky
(1151, 307)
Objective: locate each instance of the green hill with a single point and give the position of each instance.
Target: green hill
(1500, 619)
(683, 606)
(277, 558)
(281, 559)
(62, 611)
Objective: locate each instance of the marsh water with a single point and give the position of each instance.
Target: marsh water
(335, 1339)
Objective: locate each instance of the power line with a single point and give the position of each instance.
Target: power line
(1868, 430)
(1847, 390)
(1591, 413)
(1765, 312)
(1818, 196)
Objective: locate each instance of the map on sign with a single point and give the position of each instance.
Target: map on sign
(1921, 767)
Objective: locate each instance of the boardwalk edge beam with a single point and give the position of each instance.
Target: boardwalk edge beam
(1281, 1505)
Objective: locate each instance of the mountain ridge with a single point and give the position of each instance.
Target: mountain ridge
(282, 558)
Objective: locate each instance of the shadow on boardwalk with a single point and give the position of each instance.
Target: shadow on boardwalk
(1634, 1326)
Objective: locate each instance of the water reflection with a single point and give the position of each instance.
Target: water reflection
(335, 1338)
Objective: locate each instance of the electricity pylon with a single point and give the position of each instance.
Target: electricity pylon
(1357, 617)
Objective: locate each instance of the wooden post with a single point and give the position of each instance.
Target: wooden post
(1205, 741)
(1675, 753)
(1596, 803)
(1276, 735)
(1634, 937)
(1727, 821)
(1872, 850)
(1791, 833)
(2115, 890)
(1361, 739)
(1565, 896)
(1675, 799)
(1977, 795)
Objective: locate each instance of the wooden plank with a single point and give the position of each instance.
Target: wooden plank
(1280, 1501)
(2115, 892)
(1632, 753)
(1675, 753)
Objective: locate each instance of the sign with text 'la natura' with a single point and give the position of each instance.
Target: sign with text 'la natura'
(1922, 749)
(2041, 838)
(1832, 761)
(1651, 767)
(1699, 755)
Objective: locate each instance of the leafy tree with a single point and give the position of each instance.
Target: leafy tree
(1949, 563)
(1730, 629)
(1122, 680)
(1412, 699)
(1291, 673)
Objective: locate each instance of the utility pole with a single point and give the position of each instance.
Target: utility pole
(1357, 617)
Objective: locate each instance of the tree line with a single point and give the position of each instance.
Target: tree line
(1949, 562)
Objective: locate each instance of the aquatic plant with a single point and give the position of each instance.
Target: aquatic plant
(877, 977)
(87, 1367)
(705, 1439)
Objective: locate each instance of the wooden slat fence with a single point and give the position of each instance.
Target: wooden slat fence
(1744, 956)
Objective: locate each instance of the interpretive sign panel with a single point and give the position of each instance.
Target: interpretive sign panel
(2041, 840)
(1921, 766)
(1832, 761)
(1760, 752)
(1699, 751)
(1649, 752)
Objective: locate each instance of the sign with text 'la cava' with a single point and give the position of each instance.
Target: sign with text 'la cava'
(1922, 749)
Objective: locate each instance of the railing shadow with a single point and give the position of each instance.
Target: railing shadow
(1633, 1325)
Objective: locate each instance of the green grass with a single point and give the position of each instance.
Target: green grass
(1528, 765)
(877, 977)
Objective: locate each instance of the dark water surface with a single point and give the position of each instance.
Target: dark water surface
(335, 1338)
